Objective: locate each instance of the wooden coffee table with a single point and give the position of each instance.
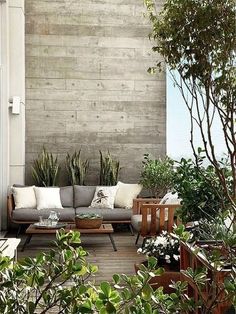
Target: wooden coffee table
(104, 229)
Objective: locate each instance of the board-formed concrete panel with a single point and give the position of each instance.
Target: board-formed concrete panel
(87, 84)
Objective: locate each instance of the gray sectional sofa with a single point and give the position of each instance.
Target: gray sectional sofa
(75, 200)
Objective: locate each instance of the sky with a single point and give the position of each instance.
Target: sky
(178, 127)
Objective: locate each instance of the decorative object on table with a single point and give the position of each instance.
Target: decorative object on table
(48, 197)
(157, 175)
(76, 168)
(24, 197)
(45, 169)
(126, 193)
(46, 224)
(109, 170)
(104, 197)
(53, 218)
(88, 221)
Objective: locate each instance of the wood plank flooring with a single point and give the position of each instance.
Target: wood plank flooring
(100, 251)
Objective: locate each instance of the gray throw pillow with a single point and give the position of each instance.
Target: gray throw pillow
(66, 194)
(83, 195)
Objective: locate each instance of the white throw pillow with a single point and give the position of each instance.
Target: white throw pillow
(24, 197)
(48, 198)
(104, 197)
(126, 193)
(168, 199)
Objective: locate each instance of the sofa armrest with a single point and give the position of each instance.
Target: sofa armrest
(10, 206)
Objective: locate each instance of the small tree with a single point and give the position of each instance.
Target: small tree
(157, 175)
(197, 40)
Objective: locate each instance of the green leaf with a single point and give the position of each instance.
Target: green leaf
(106, 288)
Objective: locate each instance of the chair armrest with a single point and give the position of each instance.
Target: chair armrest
(10, 207)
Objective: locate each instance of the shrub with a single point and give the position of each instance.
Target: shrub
(200, 190)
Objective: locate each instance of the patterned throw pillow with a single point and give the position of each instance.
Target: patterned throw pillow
(104, 197)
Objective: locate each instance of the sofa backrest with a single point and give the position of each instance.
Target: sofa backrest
(83, 195)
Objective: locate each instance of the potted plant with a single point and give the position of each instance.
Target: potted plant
(157, 175)
(165, 248)
(88, 221)
(76, 168)
(109, 170)
(45, 169)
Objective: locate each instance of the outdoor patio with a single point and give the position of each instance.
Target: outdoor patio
(117, 120)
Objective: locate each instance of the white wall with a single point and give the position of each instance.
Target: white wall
(12, 127)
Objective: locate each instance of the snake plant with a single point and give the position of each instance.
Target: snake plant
(76, 168)
(109, 170)
(45, 169)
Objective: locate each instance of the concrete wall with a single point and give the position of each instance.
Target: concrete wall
(87, 84)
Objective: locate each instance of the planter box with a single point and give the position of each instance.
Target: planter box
(164, 280)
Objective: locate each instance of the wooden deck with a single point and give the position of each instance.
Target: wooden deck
(100, 251)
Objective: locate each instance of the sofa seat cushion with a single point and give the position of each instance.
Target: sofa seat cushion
(114, 214)
(136, 222)
(30, 214)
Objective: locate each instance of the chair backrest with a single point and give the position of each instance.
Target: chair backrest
(138, 202)
(155, 210)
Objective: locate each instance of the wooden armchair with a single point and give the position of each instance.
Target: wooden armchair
(152, 219)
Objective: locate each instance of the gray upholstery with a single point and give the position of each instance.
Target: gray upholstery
(66, 194)
(136, 221)
(107, 214)
(83, 195)
(29, 214)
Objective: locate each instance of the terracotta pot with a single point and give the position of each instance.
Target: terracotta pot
(164, 280)
(87, 223)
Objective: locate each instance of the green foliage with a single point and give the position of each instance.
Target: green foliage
(58, 281)
(42, 283)
(200, 190)
(157, 175)
(76, 168)
(200, 22)
(45, 169)
(109, 170)
(88, 216)
(197, 41)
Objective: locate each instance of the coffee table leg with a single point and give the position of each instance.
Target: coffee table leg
(27, 241)
(112, 241)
